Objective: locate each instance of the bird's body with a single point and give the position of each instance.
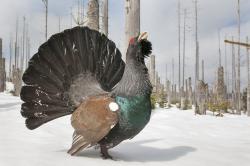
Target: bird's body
(133, 116)
(80, 72)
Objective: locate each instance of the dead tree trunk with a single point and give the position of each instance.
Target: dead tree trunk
(2, 69)
(197, 61)
(238, 66)
(233, 78)
(93, 15)
(203, 79)
(10, 60)
(105, 17)
(248, 83)
(179, 46)
(184, 48)
(226, 72)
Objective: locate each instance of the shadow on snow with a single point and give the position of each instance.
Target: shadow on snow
(139, 152)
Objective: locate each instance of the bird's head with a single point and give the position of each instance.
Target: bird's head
(139, 48)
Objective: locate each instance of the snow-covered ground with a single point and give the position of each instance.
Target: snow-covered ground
(172, 138)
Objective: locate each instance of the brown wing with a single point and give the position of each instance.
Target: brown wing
(92, 121)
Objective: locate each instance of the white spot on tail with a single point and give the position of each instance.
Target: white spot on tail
(113, 106)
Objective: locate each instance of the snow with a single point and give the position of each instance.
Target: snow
(9, 87)
(172, 138)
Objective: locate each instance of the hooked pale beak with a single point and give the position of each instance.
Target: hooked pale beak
(143, 36)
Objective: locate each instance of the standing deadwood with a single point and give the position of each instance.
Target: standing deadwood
(172, 95)
(175, 92)
(132, 21)
(27, 52)
(16, 72)
(226, 71)
(238, 65)
(179, 45)
(196, 43)
(173, 78)
(23, 44)
(19, 52)
(219, 49)
(93, 15)
(105, 17)
(152, 72)
(16, 44)
(184, 48)
(234, 101)
(10, 60)
(190, 91)
(203, 71)
(202, 100)
(166, 80)
(46, 4)
(197, 61)
(168, 88)
(59, 24)
(27, 47)
(247, 47)
(81, 11)
(156, 82)
(166, 74)
(169, 91)
(20, 60)
(71, 15)
(2, 74)
(182, 93)
(186, 87)
(2, 69)
(17, 81)
(1, 48)
(184, 99)
(248, 83)
(79, 19)
(220, 88)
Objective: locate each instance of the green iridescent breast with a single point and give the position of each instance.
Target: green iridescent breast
(134, 112)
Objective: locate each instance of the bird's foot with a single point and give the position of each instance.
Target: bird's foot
(107, 156)
(104, 152)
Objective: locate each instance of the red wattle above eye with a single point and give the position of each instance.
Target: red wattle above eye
(132, 41)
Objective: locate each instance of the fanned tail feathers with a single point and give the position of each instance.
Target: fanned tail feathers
(52, 87)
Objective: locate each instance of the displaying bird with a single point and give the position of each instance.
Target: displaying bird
(80, 72)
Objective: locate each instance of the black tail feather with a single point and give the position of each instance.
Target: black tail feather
(52, 71)
(33, 123)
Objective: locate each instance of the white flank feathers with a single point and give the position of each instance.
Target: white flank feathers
(113, 106)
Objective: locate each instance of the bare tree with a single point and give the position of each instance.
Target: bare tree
(23, 43)
(16, 44)
(238, 65)
(105, 17)
(10, 60)
(46, 5)
(184, 47)
(248, 82)
(59, 23)
(202, 71)
(233, 76)
(179, 45)
(226, 70)
(219, 48)
(79, 18)
(197, 61)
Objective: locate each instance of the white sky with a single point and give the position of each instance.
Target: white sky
(158, 17)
